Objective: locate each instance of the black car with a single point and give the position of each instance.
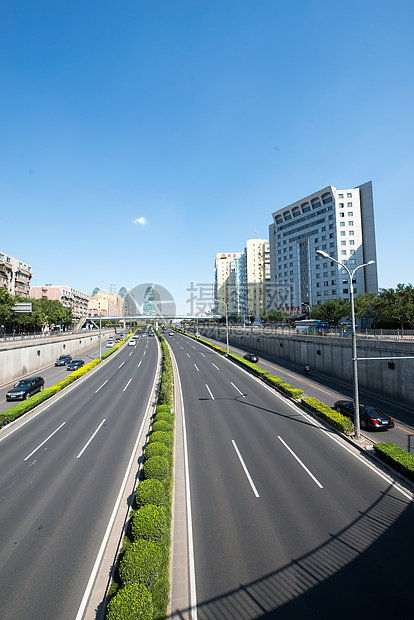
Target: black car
(63, 360)
(370, 418)
(251, 357)
(75, 364)
(25, 388)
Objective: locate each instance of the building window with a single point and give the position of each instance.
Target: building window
(350, 214)
(316, 239)
(318, 275)
(324, 246)
(334, 291)
(318, 284)
(352, 251)
(317, 267)
(352, 261)
(325, 274)
(333, 282)
(344, 290)
(349, 195)
(323, 228)
(343, 242)
(340, 195)
(323, 237)
(350, 232)
(318, 294)
(351, 242)
(326, 283)
(326, 293)
(350, 223)
(342, 215)
(343, 233)
(330, 217)
(290, 264)
(343, 252)
(341, 205)
(341, 223)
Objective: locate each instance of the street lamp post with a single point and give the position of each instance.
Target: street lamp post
(354, 345)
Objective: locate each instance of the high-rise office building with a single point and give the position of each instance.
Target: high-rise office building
(230, 283)
(338, 221)
(257, 275)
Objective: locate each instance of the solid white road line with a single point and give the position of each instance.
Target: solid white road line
(236, 388)
(301, 463)
(43, 442)
(215, 366)
(87, 444)
(209, 391)
(104, 383)
(127, 385)
(195, 366)
(246, 471)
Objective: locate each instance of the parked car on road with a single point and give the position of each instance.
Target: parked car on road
(75, 364)
(370, 418)
(25, 388)
(63, 360)
(251, 357)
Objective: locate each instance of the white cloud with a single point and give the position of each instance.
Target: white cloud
(141, 221)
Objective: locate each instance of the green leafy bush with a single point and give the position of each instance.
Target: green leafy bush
(140, 563)
(15, 412)
(134, 602)
(163, 415)
(149, 523)
(161, 425)
(158, 449)
(162, 409)
(150, 491)
(285, 387)
(397, 457)
(156, 467)
(162, 436)
(334, 418)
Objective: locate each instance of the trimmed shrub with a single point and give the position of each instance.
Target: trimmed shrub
(396, 457)
(162, 436)
(15, 412)
(161, 425)
(133, 602)
(168, 417)
(150, 491)
(149, 523)
(286, 388)
(334, 418)
(140, 563)
(156, 467)
(157, 449)
(162, 408)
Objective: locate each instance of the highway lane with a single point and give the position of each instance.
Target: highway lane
(329, 390)
(60, 474)
(52, 374)
(287, 518)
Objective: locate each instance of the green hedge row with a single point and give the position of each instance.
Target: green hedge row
(18, 410)
(142, 590)
(334, 418)
(397, 457)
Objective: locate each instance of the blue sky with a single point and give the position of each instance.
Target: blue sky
(140, 137)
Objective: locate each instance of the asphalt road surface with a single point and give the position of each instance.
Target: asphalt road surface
(288, 520)
(60, 474)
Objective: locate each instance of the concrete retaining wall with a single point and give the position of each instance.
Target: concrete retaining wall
(19, 358)
(333, 356)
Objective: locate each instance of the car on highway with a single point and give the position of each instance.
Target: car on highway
(110, 344)
(370, 418)
(63, 360)
(132, 342)
(25, 388)
(75, 364)
(171, 334)
(251, 357)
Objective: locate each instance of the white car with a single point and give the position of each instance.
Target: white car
(131, 342)
(110, 344)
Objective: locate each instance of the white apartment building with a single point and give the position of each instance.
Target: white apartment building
(258, 275)
(338, 221)
(15, 275)
(68, 296)
(230, 283)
